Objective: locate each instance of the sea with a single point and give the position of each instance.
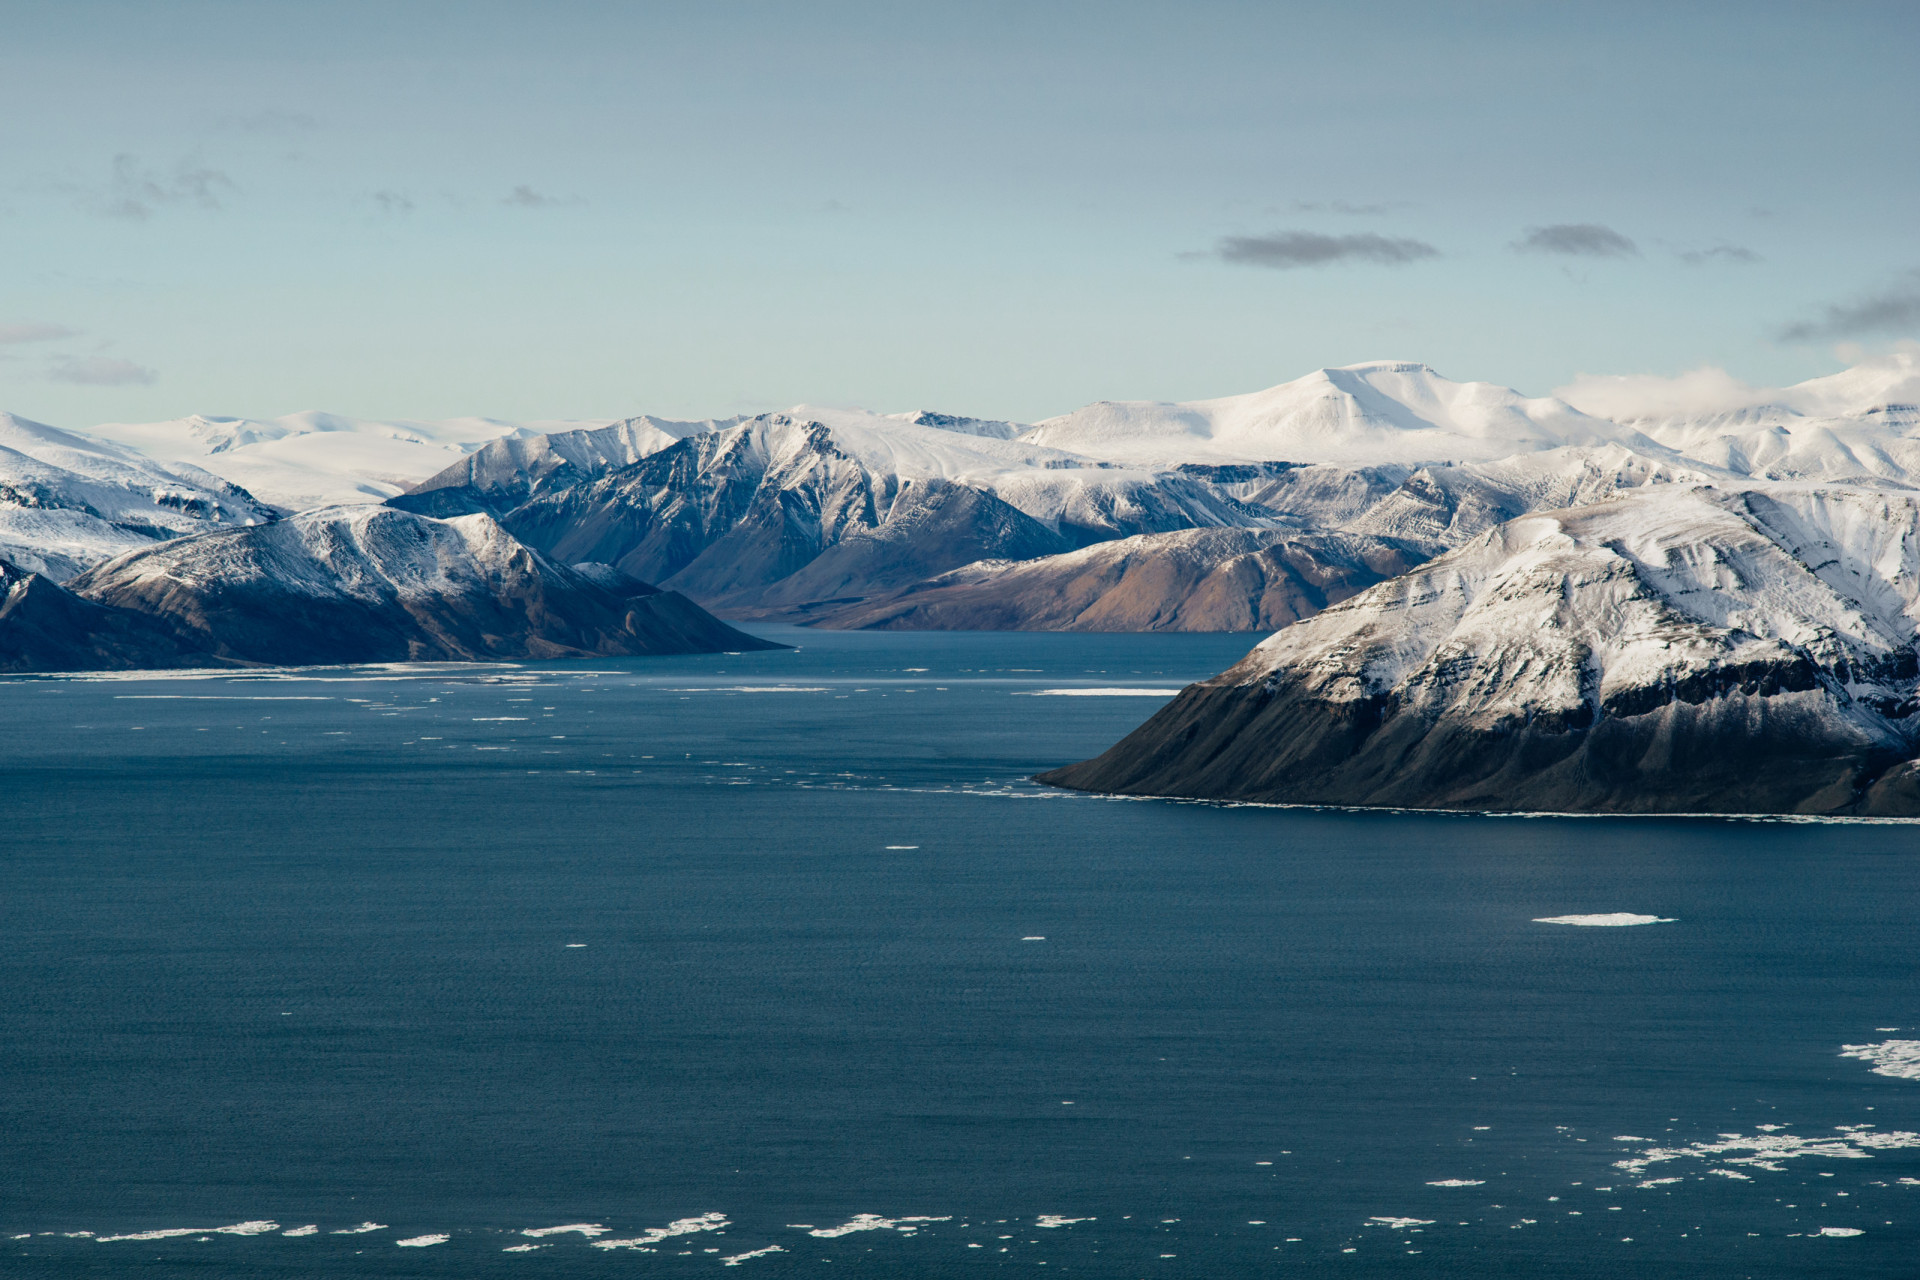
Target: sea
(781, 962)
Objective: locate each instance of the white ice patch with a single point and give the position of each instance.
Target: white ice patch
(360, 1230)
(309, 1230)
(421, 1242)
(1055, 1220)
(587, 1229)
(1839, 1231)
(678, 1227)
(1400, 1222)
(525, 1248)
(1459, 1182)
(1116, 692)
(1767, 1150)
(739, 1258)
(1899, 1058)
(173, 1233)
(1615, 918)
(872, 1222)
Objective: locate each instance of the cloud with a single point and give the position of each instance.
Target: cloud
(1629, 397)
(1895, 309)
(1577, 240)
(1719, 253)
(272, 121)
(1349, 208)
(391, 203)
(525, 197)
(12, 333)
(136, 191)
(1284, 250)
(101, 371)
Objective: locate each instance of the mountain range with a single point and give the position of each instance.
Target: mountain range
(1478, 599)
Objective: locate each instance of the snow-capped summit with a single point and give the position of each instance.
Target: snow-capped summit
(1382, 412)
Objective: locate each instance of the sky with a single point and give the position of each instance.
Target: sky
(572, 210)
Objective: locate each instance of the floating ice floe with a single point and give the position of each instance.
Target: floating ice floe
(421, 1242)
(1610, 919)
(1900, 1058)
(1098, 693)
(1400, 1222)
(1766, 1150)
(173, 1233)
(1838, 1231)
(678, 1227)
(1055, 1220)
(525, 1248)
(360, 1230)
(873, 1222)
(1459, 1182)
(309, 1230)
(739, 1258)
(587, 1229)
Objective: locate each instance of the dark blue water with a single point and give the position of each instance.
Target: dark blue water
(469, 952)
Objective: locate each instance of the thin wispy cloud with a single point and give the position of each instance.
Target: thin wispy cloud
(1719, 253)
(11, 334)
(100, 371)
(134, 190)
(272, 121)
(392, 204)
(1285, 250)
(1349, 208)
(1576, 240)
(1894, 309)
(525, 197)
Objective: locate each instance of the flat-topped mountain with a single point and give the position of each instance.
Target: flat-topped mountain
(1673, 650)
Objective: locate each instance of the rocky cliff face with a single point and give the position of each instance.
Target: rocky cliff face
(1682, 649)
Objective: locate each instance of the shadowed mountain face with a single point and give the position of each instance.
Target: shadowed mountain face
(344, 585)
(1190, 580)
(780, 517)
(44, 627)
(1679, 650)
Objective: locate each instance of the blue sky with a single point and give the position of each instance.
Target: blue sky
(1006, 209)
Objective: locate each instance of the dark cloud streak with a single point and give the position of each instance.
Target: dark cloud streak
(1719, 253)
(1895, 309)
(1285, 250)
(1577, 240)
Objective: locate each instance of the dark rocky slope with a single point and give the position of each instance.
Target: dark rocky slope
(1677, 651)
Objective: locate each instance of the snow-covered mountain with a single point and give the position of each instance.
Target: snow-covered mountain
(1863, 422)
(68, 500)
(352, 584)
(803, 514)
(508, 471)
(1678, 649)
(1188, 580)
(315, 459)
(781, 512)
(1381, 413)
